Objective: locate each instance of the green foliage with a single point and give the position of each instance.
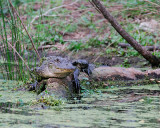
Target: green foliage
(138, 7)
(15, 3)
(70, 28)
(147, 100)
(14, 66)
(87, 89)
(76, 46)
(126, 63)
(156, 54)
(50, 101)
(95, 42)
(129, 52)
(135, 3)
(108, 51)
(111, 50)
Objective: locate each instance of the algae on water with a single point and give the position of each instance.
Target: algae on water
(136, 106)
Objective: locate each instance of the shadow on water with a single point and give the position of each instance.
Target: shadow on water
(11, 108)
(131, 107)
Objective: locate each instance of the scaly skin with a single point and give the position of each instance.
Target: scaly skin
(58, 67)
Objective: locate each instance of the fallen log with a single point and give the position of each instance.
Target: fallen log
(148, 48)
(105, 75)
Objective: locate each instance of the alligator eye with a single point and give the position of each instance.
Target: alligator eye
(57, 60)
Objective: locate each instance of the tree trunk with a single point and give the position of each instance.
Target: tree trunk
(154, 61)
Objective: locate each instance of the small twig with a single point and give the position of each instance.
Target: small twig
(57, 15)
(152, 13)
(19, 56)
(132, 9)
(149, 48)
(96, 58)
(46, 13)
(36, 17)
(25, 29)
(45, 47)
(152, 3)
(100, 55)
(94, 6)
(85, 10)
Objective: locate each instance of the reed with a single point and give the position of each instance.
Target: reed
(12, 66)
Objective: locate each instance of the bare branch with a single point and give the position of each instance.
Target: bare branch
(19, 56)
(46, 13)
(152, 3)
(146, 54)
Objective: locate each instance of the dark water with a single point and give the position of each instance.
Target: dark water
(129, 107)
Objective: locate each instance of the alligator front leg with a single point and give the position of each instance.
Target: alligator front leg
(87, 70)
(75, 80)
(83, 65)
(32, 87)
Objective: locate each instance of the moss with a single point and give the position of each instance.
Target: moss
(50, 101)
(41, 86)
(103, 84)
(41, 60)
